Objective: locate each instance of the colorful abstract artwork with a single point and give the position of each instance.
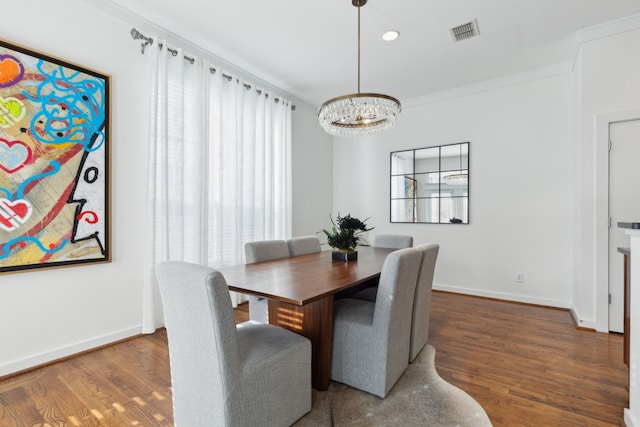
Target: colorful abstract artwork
(54, 162)
(409, 187)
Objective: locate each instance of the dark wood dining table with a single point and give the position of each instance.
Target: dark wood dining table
(301, 291)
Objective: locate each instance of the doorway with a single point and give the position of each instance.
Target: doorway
(624, 206)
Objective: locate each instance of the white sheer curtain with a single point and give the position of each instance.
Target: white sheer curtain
(219, 167)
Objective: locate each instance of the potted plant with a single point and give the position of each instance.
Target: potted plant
(345, 236)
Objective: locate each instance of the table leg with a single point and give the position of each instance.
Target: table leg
(314, 321)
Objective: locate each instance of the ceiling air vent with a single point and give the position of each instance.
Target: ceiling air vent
(464, 31)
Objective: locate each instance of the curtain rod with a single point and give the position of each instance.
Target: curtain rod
(148, 41)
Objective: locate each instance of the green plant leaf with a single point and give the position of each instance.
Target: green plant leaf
(346, 232)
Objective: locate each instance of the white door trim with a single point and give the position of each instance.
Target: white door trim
(602, 122)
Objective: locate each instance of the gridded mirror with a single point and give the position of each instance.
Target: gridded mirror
(431, 185)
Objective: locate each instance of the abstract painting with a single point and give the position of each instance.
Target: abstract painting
(54, 162)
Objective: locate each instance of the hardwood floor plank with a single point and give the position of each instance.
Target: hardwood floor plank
(17, 409)
(526, 365)
(123, 392)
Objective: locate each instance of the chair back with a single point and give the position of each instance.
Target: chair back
(265, 250)
(393, 307)
(203, 343)
(259, 251)
(303, 245)
(422, 299)
(393, 241)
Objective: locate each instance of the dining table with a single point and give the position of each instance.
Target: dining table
(300, 292)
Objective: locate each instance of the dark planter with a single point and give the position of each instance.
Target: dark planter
(344, 256)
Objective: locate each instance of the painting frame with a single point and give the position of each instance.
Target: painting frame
(55, 161)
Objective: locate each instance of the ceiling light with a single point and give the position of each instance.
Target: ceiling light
(359, 114)
(390, 36)
(456, 179)
(459, 178)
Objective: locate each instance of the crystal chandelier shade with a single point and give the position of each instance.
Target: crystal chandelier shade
(359, 114)
(457, 179)
(460, 178)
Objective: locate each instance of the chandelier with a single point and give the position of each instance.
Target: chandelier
(459, 178)
(359, 114)
(456, 179)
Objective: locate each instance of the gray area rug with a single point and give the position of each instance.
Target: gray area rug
(419, 398)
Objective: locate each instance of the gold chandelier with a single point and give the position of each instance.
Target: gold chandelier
(359, 114)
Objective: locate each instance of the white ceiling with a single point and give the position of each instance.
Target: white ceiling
(309, 48)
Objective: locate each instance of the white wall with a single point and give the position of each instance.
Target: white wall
(50, 314)
(312, 173)
(520, 180)
(609, 84)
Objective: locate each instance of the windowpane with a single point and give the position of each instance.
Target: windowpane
(428, 160)
(402, 163)
(428, 209)
(428, 184)
(453, 210)
(402, 210)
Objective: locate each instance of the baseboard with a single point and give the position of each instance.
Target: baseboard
(523, 299)
(581, 323)
(52, 356)
(630, 420)
(503, 296)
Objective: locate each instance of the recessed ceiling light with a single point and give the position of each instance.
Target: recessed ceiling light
(390, 36)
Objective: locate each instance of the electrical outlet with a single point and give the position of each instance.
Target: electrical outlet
(520, 277)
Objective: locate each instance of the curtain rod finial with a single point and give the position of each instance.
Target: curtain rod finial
(137, 35)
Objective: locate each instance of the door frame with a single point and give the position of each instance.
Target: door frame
(602, 123)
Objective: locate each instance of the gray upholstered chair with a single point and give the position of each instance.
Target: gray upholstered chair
(371, 339)
(259, 251)
(303, 245)
(422, 299)
(252, 374)
(369, 290)
(393, 241)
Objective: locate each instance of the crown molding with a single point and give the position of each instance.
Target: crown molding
(608, 29)
(597, 32)
(558, 69)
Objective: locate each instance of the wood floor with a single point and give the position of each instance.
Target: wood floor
(527, 366)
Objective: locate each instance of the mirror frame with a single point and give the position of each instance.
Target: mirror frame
(405, 188)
